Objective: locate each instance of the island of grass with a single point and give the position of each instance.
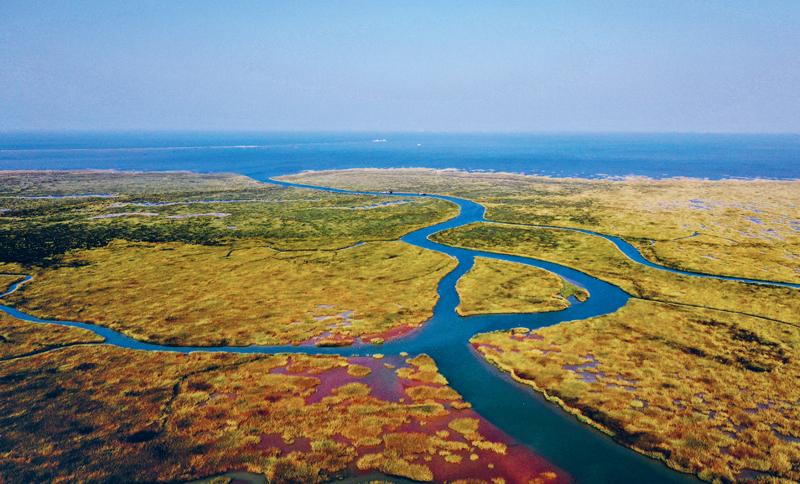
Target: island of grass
(496, 286)
(213, 260)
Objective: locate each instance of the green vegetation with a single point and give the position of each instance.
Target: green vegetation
(42, 238)
(495, 286)
(40, 231)
(710, 392)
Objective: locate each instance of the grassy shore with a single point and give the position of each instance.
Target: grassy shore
(177, 207)
(709, 392)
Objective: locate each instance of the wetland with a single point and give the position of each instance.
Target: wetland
(484, 324)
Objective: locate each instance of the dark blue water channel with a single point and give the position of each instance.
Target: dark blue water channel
(587, 454)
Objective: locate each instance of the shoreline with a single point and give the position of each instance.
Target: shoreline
(454, 170)
(597, 178)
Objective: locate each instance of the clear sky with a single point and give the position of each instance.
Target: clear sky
(673, 65)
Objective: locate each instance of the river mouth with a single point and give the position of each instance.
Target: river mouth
(585, 453)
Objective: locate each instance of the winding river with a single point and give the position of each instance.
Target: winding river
(585, 453)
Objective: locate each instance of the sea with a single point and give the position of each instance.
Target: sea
(263, 155)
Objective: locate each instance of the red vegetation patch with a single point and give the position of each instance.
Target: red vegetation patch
(105, 413)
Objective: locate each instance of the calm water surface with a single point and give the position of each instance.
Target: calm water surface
(266, 155)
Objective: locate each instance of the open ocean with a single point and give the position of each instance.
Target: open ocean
(261, 156)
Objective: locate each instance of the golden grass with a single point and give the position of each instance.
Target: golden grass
(6, 280)
(748, 228)
(710, 392)
(205, 295)
(496, 286)
(20, 338)
(600, 258)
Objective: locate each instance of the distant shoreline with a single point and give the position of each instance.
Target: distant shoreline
(461, 171)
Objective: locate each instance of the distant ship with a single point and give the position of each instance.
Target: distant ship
(379, 140)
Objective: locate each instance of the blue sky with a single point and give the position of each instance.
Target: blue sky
(689, 66)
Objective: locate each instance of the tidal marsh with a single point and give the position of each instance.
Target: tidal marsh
(710, 392)
(174, 293)
(102, 413)
(745, 228)
(680, 323)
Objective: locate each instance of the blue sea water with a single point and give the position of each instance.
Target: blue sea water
(711, 156)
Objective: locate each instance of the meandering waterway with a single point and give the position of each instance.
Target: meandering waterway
(585, 453)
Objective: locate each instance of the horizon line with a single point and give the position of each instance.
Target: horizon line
(252, 131)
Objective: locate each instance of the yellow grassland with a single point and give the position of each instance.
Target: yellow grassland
(495, 286)
(175, 293)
